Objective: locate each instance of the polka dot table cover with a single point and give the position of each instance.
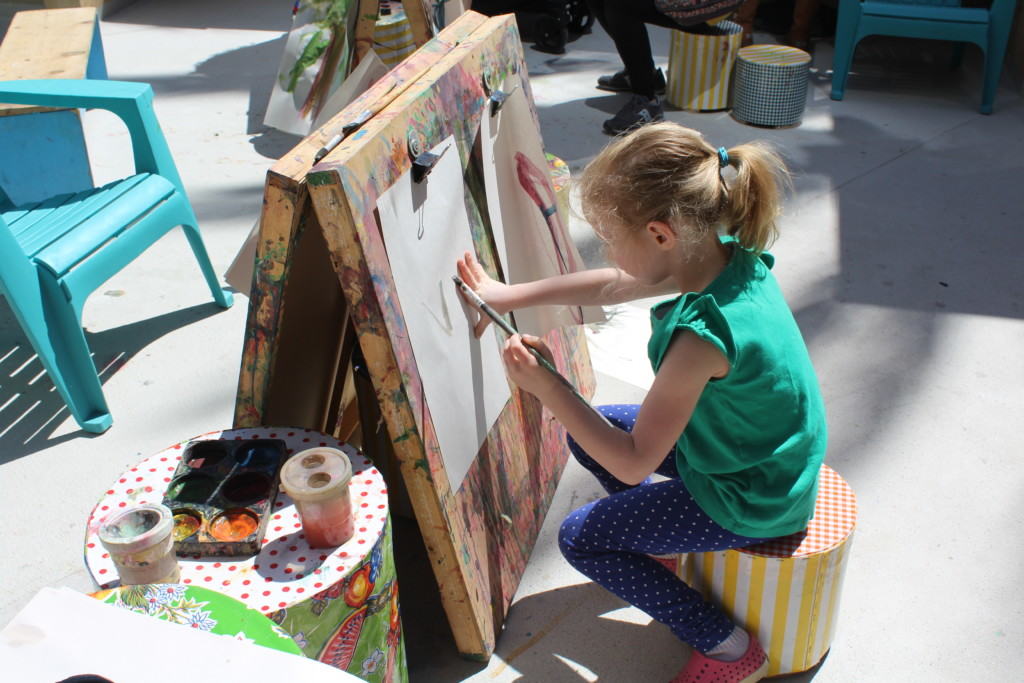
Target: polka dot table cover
(340, 605)
(786, 590)
(770, 85)
(700, 67)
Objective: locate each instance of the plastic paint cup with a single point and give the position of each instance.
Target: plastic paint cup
(317, 480)
(141, 544)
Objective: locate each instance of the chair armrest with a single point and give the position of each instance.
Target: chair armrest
(131, 102)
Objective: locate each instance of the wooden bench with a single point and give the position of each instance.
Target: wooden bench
(47, 43)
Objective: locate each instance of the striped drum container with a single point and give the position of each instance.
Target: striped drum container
(700, 67)
(770, 85)
(392, 37)
(786, 590)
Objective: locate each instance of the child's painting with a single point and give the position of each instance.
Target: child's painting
(426, 229)
(317, 58)
(531, 239)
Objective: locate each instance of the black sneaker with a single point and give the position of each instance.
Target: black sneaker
(619, 82)
(637, 111)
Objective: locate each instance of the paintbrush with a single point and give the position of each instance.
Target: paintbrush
(475, 299)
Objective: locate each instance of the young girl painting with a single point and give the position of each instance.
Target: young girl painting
(734, 420)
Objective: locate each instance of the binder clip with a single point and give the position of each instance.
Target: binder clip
(423, 161)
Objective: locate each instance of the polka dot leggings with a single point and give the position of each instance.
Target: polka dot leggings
(610, 539)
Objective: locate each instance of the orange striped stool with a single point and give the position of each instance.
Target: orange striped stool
(786, 590)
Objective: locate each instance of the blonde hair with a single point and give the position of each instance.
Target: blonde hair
(667, 172)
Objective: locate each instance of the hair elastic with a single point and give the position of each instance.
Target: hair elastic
(723, 157)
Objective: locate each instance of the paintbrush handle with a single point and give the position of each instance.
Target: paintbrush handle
(503, 324)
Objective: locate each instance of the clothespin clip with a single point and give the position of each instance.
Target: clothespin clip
(495, 95)
(423, 161)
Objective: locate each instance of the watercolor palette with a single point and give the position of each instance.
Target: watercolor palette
(221, 495)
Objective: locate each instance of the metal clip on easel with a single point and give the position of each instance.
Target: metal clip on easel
(423, 161)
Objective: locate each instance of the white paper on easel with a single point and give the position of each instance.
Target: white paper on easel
(453, 9)
(426, 230)
(369, 71)
(531, 240)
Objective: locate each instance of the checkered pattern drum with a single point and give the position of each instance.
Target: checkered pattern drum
(770, 85)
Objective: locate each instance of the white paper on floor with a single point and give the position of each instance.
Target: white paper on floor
(426, 230)
(61, 633)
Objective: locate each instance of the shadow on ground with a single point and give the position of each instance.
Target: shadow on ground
(30, 407)
(202, 14)
(574, 632)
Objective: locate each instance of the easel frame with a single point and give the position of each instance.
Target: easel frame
(267, 369)
(479, 537)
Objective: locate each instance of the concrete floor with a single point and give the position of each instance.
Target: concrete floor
(900, 255)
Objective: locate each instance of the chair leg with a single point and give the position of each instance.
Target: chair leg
(995, 51)
(847, 32)
(222, 297)
(69, 361)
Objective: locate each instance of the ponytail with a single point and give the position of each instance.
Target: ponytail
(754, 198)
(666, 172)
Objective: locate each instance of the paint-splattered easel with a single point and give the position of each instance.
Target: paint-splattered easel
(282, 378)
(480, 536)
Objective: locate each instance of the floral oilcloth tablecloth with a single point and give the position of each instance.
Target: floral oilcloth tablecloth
(202, 609)
(339, 605)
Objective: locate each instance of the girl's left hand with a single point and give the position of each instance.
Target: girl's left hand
(523, 368)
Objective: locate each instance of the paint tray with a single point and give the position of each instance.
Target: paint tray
(222, 494)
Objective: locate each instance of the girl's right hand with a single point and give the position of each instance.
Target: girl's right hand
(498, 295)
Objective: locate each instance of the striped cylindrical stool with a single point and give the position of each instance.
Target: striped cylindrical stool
(770, 86)
(786, 590)
(700, 67)
(392, 37)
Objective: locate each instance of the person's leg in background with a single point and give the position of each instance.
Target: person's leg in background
(745, 18)
(804, 12)
(625, 22)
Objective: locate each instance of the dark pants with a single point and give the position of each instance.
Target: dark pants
(625, 21)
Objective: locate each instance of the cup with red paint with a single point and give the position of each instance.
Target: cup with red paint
(317, 480)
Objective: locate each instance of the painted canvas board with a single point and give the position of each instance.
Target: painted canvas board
(426, 229)
(530, 237)
(317, 58)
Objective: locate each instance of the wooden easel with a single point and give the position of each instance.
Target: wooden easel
(303, 328)
(282, 378)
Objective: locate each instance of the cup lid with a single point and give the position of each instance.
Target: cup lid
(136, 527)
(316, 474)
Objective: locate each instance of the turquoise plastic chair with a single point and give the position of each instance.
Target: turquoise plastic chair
(56, 252)
(938, 19)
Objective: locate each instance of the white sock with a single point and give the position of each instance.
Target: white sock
(732, 648)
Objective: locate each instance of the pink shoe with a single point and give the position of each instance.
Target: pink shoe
(669, 562)
(747, 669)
